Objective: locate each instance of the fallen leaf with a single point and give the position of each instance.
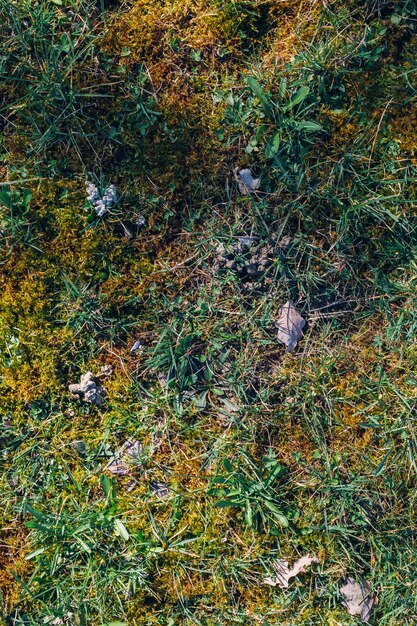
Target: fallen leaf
(118, 467)
(120, 464)
(357, 598)
(290, 325)
(283, 574)
(245, 181)
(160, 489)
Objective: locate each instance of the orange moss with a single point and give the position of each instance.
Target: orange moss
(13, 549)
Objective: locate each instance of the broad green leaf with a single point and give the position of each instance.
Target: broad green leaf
(259, 92)
(106, 485)
(223, 504)
(309, 126)
(272, 147)
(300, 95)
(38, 514)
(248, 514)
(5, 199)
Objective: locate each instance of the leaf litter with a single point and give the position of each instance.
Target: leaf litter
(357, 598)
(290, 325)
(121, 464)
(283, 573)
(245, 181)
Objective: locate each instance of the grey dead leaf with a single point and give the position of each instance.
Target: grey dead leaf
(245, 181)
(357, 598)
(118, 467)
(131, 485)
(137, 346)
(290, 325)
(160, 489)
(283, 573)
(105, 371)
(133, 448)
(120, 464)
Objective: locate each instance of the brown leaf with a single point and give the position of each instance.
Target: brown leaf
(357, 598)
(290, 325)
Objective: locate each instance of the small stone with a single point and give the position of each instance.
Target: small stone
(246, 241)
(81, 447)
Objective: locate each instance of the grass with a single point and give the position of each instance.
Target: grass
(265, 454)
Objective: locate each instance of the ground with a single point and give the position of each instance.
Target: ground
(246, 453)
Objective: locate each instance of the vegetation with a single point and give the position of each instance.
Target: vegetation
(248, 454)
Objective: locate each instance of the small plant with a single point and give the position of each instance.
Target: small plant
(15, 226)
(254, 488)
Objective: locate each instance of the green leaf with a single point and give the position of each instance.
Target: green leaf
(223, 504)
(38, 514)
(259, 92)
(380, 467)
(34, 553)
(227, 465)
(309, 126)
(121, 529)
(5, 199)
(106, 485)
(272, 147)
(115, 624)
(300, 95)
(248, 514)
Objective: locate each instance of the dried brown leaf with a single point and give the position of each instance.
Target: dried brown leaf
(290, 325)
(357, 598)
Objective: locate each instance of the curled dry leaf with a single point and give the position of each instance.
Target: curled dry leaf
(245, 181)
(283, 574)
(357, 598)
(290, 325)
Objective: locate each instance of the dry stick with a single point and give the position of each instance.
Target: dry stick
(378, 128)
